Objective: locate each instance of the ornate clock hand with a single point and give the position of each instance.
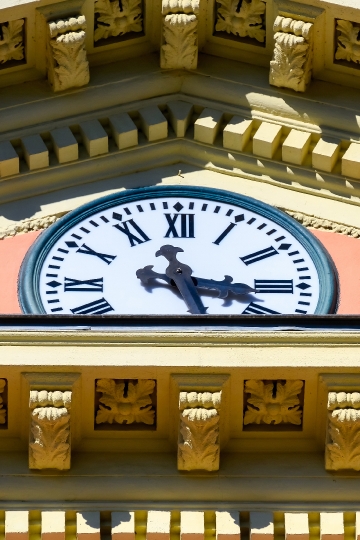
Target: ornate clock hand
(223, 287)
(181, 274)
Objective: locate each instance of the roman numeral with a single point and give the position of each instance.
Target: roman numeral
(186, 226)
(103, 256)
(274, 286)
(99, 307)
(255, 309)
(259, 255)
(95, 285)
(225, 233)
(133, 239)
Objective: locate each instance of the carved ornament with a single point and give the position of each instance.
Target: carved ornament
(180, 40)
(348, 42)
(11, 44)
(2, 408)
(248, 21)
(116, 18)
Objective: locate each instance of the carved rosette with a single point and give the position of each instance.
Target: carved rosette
(67, 62)
(11, 44)
(180, 40)
(291, 64)
(114, 18)
(248, 21)
(273, 403)
(125, 402)
(198, 447)
(49, 446)
(348, 42)
(342, 450)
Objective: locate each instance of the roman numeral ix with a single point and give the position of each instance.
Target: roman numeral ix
(187, 226)
(259, 255)
(99, 307)
(133, 239)
(72, 285)
(274, 286)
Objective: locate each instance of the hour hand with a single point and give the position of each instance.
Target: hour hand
(147, 273)
(223, 287)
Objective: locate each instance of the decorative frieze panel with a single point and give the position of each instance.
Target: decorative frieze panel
(125, 402)
(180, 40)
(342, 449)
(348, 42)
(291, 64)
(244, 18)
(114, 18)
(66, 55)
(11, 42)
(3, 411)
(198, 447)
(49, 446)
(273, 403)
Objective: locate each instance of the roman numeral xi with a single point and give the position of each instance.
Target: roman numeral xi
(133, 238)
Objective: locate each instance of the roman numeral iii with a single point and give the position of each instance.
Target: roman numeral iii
(259, 255)
(274, 286)
(72, 285)
(99, 307)
(183, 229)
(133, 239)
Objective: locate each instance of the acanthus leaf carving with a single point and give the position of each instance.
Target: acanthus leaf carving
(244, 22)
(198, 446)
(68, 65)
(342, 450)
(49, 438)
(113, 21)
(125, 403)
(291, 64)
(2, 409)
(348, 42)
(180, 35)
(273, 403)
(11, 46)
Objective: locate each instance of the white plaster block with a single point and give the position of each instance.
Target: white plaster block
(332, 526)
(325, 155)
(94, 137)
(65, 145)
(296, 146)
(158, 525)
(192, 525)
(88, 525)
(36, 153)
(17, 525)
(227, 525)
(350, 163)
(357, 526)
(153, 123)
(124, 131)
(180, 113)
(53, 525)
(207, 126)
(237, 133)
(9, 160)
(296, 526)
(261, 526)
(123, 525)
(266, 140)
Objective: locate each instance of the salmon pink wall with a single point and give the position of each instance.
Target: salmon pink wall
(344, 250)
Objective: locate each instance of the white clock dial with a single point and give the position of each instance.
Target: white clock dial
(99, 266)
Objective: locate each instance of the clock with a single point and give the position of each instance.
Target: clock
(177, 250)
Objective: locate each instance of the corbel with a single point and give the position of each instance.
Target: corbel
(50, 401)
(65, 33)
(200, 404)
(179, 49)
(342, 449)
(292, 62)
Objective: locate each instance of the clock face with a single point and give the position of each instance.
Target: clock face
(174, 250)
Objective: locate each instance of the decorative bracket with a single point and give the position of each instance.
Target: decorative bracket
(50, 420)
(200, 400)
(180, 40)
